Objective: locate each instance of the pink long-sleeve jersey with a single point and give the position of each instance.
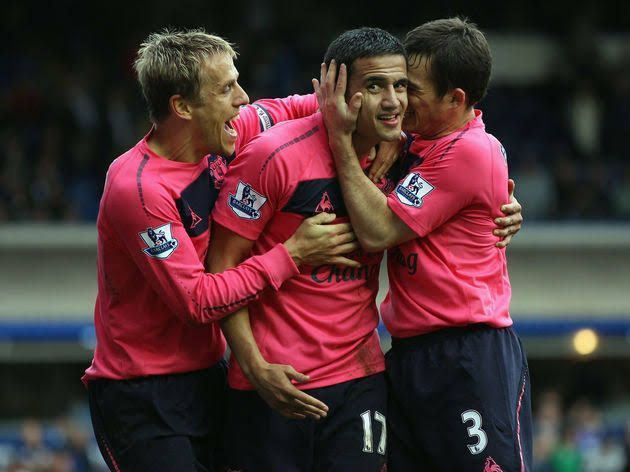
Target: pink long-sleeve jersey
(156, 305)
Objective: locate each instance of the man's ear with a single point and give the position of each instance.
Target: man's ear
(180, 107)
(458, 98)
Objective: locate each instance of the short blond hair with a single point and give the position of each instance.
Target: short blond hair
(169, 63)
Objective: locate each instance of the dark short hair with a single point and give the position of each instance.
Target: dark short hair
(459, 56)
(361, 43)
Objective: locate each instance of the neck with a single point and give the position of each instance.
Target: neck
(361, 145)
(174, 142)
(457, 123)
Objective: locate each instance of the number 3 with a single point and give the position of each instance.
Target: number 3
(367, 432)
(475, 431)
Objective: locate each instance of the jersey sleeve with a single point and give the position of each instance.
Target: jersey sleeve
(149, 228)
(255, 186)
(263, 114)
(433, 191)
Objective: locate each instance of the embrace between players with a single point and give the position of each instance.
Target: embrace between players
(282, 203)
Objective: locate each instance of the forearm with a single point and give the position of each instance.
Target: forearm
(371, 218)
(238, 333)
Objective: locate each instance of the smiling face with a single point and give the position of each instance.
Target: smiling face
(382, 80)
(220, 97)
(428, 114)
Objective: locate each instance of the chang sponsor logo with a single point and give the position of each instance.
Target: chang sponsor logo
(409, 261)
(330, 273)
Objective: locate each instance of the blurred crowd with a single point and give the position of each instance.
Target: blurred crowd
(69, 108)
(64, 445)
(575, 437)
(580, 437)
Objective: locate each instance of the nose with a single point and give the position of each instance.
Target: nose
(391, 98)
(241, 96)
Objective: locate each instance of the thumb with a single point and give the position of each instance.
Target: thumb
(372, 154)
(355, 103)
(293, 374)
(511, 187)
(322, 218)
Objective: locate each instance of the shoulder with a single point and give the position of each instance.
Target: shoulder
(133, 184)
(282, 142)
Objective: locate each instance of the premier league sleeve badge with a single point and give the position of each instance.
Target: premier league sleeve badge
(247, 202)
(160, 242)
(413, 189)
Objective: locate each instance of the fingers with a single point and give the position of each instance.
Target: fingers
(342, 261)
(511, 187)
(512, 208)
(312, 404)
(342, 81)
(330, 78)
(355, 103)
(346, 248)
(344, 238)
(512, 220)
(337, 229)
(378, 170)
(318, 93)
(504, 242)
(323, 218)
(506, 231)
(293, 374)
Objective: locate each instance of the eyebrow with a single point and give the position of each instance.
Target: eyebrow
(383, 79)
(230, 81)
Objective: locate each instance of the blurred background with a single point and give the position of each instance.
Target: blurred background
(559, 101)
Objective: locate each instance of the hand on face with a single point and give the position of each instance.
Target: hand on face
(369, 104)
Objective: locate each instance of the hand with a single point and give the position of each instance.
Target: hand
(510, 224)
(317, 242)
(340, 117)
(384, 158)
(273, 383)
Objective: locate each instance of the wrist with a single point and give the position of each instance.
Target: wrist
(253, 368)
(294, 251)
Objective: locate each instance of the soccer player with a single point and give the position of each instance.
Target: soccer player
(458, 376)
(157, 382)
(324, 320)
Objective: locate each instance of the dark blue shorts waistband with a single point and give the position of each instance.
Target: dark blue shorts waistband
(441, 334)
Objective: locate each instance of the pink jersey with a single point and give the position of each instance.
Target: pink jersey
(155, 304)
(323, 321)
(452, 274)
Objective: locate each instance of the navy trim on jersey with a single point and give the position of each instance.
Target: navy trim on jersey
(309, 193)
(143, 163)
(296, 140)
(195, 203)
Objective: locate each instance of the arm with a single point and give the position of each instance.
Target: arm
(272, 381)
(172, 266)
(376, 226)
(376, 223)
(263, 114)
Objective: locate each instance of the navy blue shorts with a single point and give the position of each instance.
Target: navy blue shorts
(352, 437)
(459, 400)
(162, 422)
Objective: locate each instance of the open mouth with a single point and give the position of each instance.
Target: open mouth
(228, 126)
(391, 119)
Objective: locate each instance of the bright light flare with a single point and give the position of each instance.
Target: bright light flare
(585, 341)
